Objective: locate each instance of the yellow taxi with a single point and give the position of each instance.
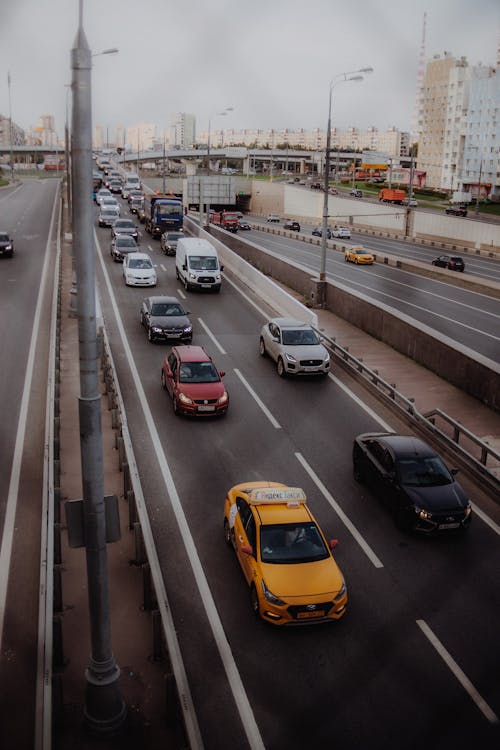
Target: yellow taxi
(358, 254)
(284, 555)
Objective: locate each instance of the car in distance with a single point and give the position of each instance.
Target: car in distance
(358, 254)
(135, 193)
(293, 225)
(168, 242)
(285, 557)
(412, 481)
(294, 346)
(273, 218)
(342, 233)
(135, 204)
(125, 226)
(107, 217)
(110, 203)
(356, 192)
(122, 245)
(138, 270)
(453, 262)
(101, 194)
(165, 318)
(456, 210)
(194, 383)
(412, 202)
(244, 225)
(318, 232)
(6, 244)
(115, 186)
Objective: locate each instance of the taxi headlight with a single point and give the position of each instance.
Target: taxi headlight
(341, 592)
(270, 597)
(185, 399)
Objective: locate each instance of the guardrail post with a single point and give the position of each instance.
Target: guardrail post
(140, 552)
(57, 643)
(157, 635)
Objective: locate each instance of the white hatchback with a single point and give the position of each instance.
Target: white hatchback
(138, 270)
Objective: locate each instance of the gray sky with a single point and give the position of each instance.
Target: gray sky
(270, 59)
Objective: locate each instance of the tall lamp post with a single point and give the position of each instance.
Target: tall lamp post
(355, 75)
(221, 113)
(105, 709)
(10, 133)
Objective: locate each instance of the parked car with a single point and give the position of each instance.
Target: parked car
(168, 242)
(453, 262)
(457, 210)
(412, 202)
(138, 270)
(125, 226)
(294, 346)
(244, 225)
(318, 232)
(285, 557)
(413, 481)
(273, 218)
(165, 318)
(343, 233)
(356, 192)
(122, 245)
(194, 383)
(6, 244)
(358, 254)
(293, 225)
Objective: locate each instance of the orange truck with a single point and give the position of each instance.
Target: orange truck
(226, 219)
(388, 195)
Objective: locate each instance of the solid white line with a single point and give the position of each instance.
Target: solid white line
(459, 674)
(343, 517)
(12, 497)
(258, 400)
(234, 678)
(209, 333)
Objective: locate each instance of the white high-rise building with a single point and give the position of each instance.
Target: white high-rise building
(181, 131)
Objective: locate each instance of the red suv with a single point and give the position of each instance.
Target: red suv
(194, 383)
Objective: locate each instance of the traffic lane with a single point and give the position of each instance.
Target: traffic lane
(18, 302)
(212, 479)
(26, 212)
(466, 317)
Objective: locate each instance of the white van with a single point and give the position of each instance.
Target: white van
(197, 264)
(132, 182)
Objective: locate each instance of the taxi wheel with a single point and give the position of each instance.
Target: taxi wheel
(254, 601)
(227, 532)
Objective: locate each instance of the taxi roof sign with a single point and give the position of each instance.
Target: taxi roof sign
(292, 496)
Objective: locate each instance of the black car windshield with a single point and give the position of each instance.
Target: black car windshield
(124, 224)
(291, 543)
(4, 238)
(300, 337)
(203, 262)
(198, 372)
(166, 309)
(423, 472)
(126, 242)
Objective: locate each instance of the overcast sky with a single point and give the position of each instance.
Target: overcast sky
(272, 60)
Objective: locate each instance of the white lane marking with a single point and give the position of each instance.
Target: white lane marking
(361, 404)
(343, 517)
(459, 674)
(486, 519)
(12, 496)
(163, 268)
(233, 676)
(181, 294)
(211, 335)
(258, 400)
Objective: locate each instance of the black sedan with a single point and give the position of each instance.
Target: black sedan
(456, 210)
(122, 245)
(453, 262)
(244, 225)
(293, 225)
(318, 232)
(125, 226)
(165, 318)
(412, 480)
(6, 244)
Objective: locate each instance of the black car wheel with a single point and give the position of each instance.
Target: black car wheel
(254, 601)
(357, 473)
(281, 368)
(262, 347)
(163, 381)
(227, 532)
(151, 337)
(175, 405)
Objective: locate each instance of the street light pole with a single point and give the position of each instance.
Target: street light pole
(354, 75)
(10, 133)
(223, 112)
(104, 710)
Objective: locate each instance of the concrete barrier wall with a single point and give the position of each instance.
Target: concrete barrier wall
(476, 375)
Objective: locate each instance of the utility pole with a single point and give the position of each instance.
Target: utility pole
(105, 710)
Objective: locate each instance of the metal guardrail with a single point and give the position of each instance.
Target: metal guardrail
(480, 458)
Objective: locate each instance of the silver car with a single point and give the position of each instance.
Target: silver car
(295, 347)
(168, 242)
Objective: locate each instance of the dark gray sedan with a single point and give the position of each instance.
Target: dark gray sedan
(6, 244)
(125, 226)
(165, 318)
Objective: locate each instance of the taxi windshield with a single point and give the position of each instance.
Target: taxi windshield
(291, 543)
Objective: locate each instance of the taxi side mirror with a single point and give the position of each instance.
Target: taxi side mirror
(247, 549)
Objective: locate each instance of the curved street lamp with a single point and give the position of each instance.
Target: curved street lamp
(220, 113)
(354, 75)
